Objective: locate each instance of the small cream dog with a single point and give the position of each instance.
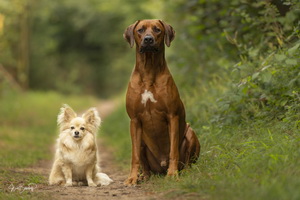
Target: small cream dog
(76, 157)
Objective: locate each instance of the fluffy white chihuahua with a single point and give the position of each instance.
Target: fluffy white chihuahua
(76, 157)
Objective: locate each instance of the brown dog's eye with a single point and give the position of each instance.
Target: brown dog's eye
(157, 30)
(72, 127)
(82, 128)
(141, 30)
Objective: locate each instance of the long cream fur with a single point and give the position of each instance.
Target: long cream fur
(76, 157)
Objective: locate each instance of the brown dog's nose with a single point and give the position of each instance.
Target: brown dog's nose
(148, 39)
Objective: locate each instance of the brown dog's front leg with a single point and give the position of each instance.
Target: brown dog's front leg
(174, 145)
(136, 134)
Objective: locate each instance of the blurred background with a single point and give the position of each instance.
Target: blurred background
(68, 46)
(76, 47)
(236, 64)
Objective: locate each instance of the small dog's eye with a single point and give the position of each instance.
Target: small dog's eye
(72, 127)
(82, 128)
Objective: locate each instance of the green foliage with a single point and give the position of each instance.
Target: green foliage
(77, 46)
(249, 51)
(266, 88)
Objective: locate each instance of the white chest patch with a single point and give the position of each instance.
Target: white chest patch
(147, 95)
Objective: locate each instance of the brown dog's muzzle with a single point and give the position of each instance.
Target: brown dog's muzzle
(148, 40)
(148, 45)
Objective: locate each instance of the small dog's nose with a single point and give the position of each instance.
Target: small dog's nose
(76, 132)
(148, 39)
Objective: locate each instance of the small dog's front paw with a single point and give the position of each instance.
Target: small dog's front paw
(92, 184)
(68, 184)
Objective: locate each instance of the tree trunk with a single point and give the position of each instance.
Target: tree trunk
(23, 61)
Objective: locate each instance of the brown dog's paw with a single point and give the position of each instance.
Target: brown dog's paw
(173, 174)
(131, 181)
(144, 177)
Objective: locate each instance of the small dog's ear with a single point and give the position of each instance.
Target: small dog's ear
(169, 33)
(92, 117)
(66, 115)
(129, 35)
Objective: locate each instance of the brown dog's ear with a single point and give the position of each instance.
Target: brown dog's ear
(169, 33)
(128, 34)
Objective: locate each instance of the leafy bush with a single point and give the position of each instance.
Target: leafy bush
(265, 88)
(249, 51)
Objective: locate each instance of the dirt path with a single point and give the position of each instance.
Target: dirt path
(116, 190)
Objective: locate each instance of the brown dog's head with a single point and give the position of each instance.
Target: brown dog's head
(149, 35)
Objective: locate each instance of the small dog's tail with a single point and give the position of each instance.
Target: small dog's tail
(103, 179)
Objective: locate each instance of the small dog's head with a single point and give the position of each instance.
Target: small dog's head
(78, 127)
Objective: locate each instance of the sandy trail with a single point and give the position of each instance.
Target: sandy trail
(116, 190)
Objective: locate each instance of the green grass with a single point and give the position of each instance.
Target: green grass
(242, 163)
(23, 196)
(253, 160)
(27, 131)
(115, 129)
(13, 183)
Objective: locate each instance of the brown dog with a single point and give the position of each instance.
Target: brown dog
(162, 141)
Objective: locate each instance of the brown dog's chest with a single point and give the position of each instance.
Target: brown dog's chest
(143, 99)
